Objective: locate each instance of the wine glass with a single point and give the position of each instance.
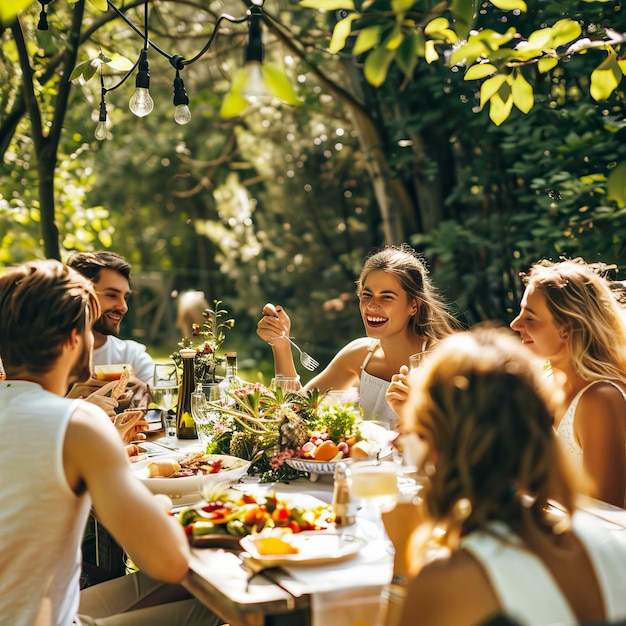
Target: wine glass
(203, 413)
(287, 383)
(165, 394)
(375, 483)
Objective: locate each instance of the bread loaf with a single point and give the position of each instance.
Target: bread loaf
(120, 387)
(161, 468)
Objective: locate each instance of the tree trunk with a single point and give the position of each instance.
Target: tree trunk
(46, 142)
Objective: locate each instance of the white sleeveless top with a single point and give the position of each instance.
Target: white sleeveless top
(525, 588)
(565, 429)
(41, 519)
(372, 392)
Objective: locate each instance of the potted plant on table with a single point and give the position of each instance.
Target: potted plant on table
(206, 339)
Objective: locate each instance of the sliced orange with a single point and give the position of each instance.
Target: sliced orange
(273, 545)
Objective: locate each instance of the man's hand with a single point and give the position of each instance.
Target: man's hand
(137, 395)
(86, 388)
(96, 394)
(131, 425)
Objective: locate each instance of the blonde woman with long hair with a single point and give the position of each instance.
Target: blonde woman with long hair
(570, 317)
(501, 533)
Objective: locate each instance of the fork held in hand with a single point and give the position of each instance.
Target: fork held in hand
(306, 359)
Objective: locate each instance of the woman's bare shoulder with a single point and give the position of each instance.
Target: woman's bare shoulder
(603, 397)
(452, 591)
(356, 349)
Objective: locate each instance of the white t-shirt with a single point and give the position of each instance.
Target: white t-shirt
(116, 350)
(42, 520)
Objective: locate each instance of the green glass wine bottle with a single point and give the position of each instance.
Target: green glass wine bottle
(185, 427)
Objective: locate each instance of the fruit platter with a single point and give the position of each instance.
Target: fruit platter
(240, 514)
(320, 454)
(290, 435)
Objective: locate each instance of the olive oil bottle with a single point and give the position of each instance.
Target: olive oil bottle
(185, 427)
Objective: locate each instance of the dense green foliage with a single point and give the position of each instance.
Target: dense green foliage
(282, 203)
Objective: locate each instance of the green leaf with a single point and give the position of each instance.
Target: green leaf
(233, 104)
(616, 185)
(430, 54)
(278, 84)
(9, 9)
(510, 5)
(490, 87)
(408, 53)
(436, 25)
(605, 78)
(468, 52)
(77, 72)
(377, 65)
(500, 107)
(565, 31)
(367, 39)
(101, 5)
(540, 39)
(328, 5)
(401, 6)
(464, 12)
(480, 70)
(522, 93)
(91, 68)
(341, 32)
(120, 63)
(545, 64)
(395, 39)
(484, 43)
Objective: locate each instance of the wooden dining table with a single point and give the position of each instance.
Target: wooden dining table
(295, 595)
(317, 595)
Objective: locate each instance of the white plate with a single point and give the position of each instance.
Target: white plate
(376, 434)
(189, 485)
(314, 547)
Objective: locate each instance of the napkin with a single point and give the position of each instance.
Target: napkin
(351, 592)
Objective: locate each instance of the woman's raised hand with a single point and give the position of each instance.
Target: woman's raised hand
(274, 324)
(398, 390)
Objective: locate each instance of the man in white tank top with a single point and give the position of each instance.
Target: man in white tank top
(59, 457)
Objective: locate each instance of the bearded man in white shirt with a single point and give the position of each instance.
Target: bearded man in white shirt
(110, 275)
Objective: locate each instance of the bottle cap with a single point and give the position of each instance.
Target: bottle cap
(341, 470)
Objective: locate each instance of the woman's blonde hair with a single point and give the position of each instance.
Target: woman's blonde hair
(581, 300)
(480, 403)
(432, 320)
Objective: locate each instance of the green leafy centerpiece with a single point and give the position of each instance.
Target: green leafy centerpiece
(267, 426)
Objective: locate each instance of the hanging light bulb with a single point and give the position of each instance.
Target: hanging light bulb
(254, 88)
(182, 114)
(141, 104)
(101, 126)
(43, 17)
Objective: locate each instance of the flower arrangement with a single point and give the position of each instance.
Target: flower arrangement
(206, 339)
(267, 426)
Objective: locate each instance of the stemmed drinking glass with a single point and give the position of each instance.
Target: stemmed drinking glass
(204, 414)
(165, 394)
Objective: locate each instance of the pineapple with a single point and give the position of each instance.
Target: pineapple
(243, 444)
(294, 431)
